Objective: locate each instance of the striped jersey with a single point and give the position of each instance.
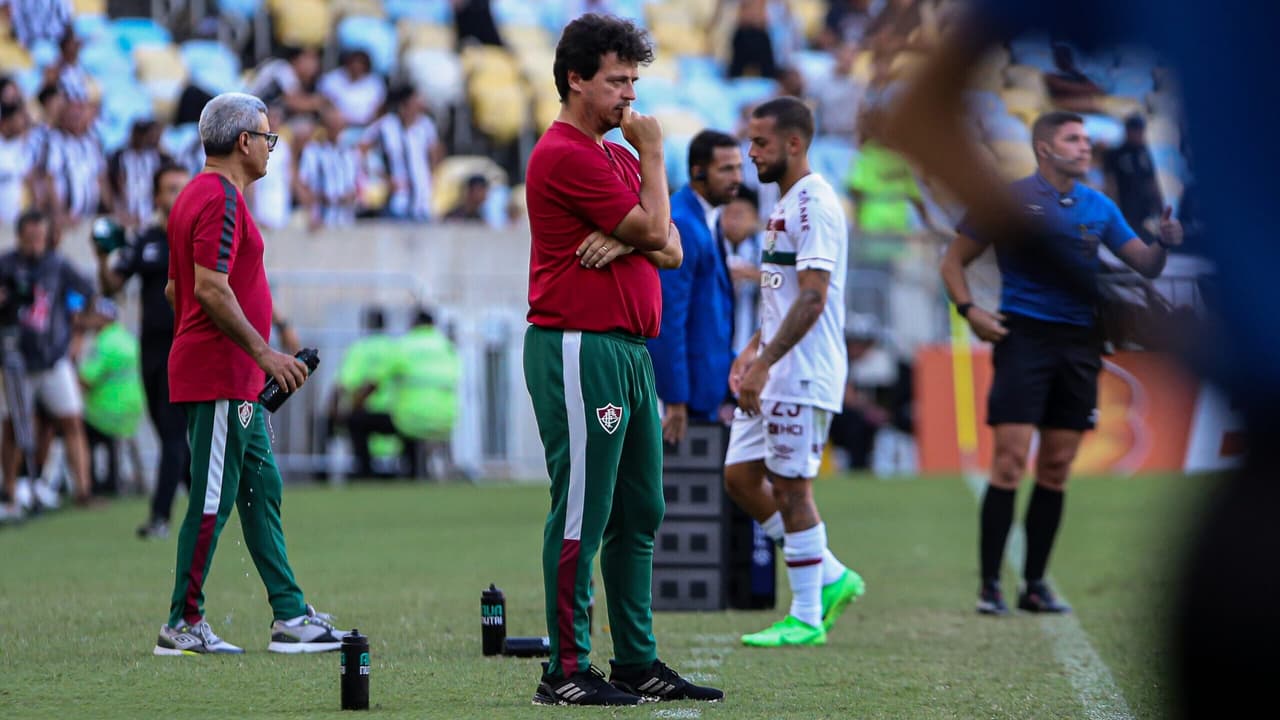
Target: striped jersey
(133, 177)
(210, 226)
(328, 170)
(405, 155)
(807, 230)
(75, 163)
(35, 20)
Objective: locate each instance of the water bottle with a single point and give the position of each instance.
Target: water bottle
(493, 620)
(527, 646)
(272, 395)
(355, 671)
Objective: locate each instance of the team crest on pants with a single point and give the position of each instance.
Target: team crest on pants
(609, 416)
(246, 414)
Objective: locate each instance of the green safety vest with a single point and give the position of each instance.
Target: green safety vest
(424, 374)
(113, 400)
(366, 363)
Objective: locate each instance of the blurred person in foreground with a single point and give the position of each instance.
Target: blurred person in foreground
(217, 366)
(693, 351)
(790, 378)
(145, 254)
(601, 226)
(1223, 634)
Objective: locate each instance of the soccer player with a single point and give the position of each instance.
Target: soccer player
(790, 378)
(1047, 351)
(218, 287)
(601, 226)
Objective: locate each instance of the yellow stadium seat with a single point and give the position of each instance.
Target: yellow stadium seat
(680, 123)
(1014, 158)
(89, 7)
(536, 68)
(488, 60)
(810, 16)
(500, 111)
(303, 23)
(1120, 107)
(452, 173)
(668, 13)
(418, 34)
(1026, 104)
(1024, 77)
(354, 8)
(663, 66)
(526, 38)
(545, 110)
(13, 56)
(159, 63)
(862, 66)
(679, 39)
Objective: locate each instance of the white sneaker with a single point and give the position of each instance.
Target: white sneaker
(45, 494)
(310, 633)
(11, 513)
(198, 639)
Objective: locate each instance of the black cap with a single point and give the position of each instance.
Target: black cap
(1135, 122)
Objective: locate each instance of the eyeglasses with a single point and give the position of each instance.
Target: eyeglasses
(271, 137)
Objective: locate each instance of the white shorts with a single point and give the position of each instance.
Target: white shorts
(56, 390)
(788, 437)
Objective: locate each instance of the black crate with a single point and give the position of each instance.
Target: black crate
(693, 494)
(688, 588)
(702, 448)
(689, 542)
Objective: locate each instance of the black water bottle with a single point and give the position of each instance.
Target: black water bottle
(527, 646)
(355, 671)
(493, 620)
(272, 395)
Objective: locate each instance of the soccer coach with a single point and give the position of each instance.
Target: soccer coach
(1047, 352)
(601, 226)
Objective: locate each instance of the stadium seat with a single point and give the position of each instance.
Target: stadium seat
(526, 38)
(653, 93)
(212, 67)
(499, 110)
(452, 173)
(302, 23)
(814, 66)
(159, 62)
(1014, 159)
(14, 57)
(1024, 77)
(675, 151)
(713, 99)
(90, 27)
(1104, 129)
(88, 7)
(43, 53)
(679, 39)
(373, 35)
(30, 81)
(515, 12)
(702, 67)
(545, 110)
(104, 58)
(425, 34)
(434, 11)
(862, 66)
(1132, 82)
(488, 60)
(679, 121)
(748, 91)
(357, 8)
(1026, 104)
(134, 32)
(832, 157)
(176, 140)
(437, 73)
(1005, 127)
(243, 9)
(809, 16)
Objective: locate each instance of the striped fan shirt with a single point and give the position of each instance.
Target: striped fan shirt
(35, 20)
(133, 177)
(328, 170)
(75, 164)
(405, 155)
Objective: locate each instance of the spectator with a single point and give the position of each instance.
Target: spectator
(76, 167)
(132, 171)
(423, 376)
(1131, 178)
(473, 21)
(353, 87)
(290, 80)
(272, 196)
(740, 223)
(694, 347)
(15, 161)
(751, 50)
(52, 105)
(10, 91)
(471, 206)
(409, 148)
(884, 190)
(846, 22)
(791, 83)
(326, 182)
(1069, 88)
(41, 293)
(840, 97)
(111, 381)
(36, 20)
(66, 72)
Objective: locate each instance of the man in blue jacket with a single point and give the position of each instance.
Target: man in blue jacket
(694, 349)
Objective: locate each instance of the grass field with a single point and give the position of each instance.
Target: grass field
(81, 600)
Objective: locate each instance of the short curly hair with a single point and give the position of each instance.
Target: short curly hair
(589, 38)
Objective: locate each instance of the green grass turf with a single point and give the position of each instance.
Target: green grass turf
(81, 600)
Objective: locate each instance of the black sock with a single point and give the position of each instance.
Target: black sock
(996, 519)
(1044, 513)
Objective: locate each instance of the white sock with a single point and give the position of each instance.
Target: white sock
(773, 527)
(803, 552)
(832, 568)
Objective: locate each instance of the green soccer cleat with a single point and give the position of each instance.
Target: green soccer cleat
(837, 596)
(789, 631)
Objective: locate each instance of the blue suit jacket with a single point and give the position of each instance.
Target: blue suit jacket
(694, 349)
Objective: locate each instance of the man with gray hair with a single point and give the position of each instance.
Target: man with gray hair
(217, 366)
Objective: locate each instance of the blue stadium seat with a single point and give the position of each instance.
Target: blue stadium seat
(132, 32)
(713, 99)
(1132, 82)
(434, 11)
(30, 81)
(831, 157)
(104, 58)
(615, 135)
(243, 9)
(90, 27)
(373, 35)
(1005, 127)
(43, 53)
(515, 12)
(751, 90)
(815, 66)
(213, 67)
(701, 67)
(655, 92)
(676, 156)
(1104, 129)
(175, 140)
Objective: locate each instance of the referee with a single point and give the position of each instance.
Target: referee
(1047, 346)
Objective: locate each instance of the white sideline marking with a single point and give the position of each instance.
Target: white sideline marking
(1088, 674)
(708, 654)
(678, 713)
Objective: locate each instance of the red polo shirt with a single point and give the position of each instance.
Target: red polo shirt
(575, 186)
(210, 226)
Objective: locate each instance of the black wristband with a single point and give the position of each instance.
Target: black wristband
(1160, 241)
(963, 309)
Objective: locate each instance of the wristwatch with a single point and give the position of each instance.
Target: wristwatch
(963, 309)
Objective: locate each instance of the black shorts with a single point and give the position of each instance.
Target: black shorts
(1046, 374)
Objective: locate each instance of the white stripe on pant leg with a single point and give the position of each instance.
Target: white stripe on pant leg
(576, 414)
(217, 454)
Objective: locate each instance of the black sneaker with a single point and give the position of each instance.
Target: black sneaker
(585, 687)
(991, 600)
(1036, 597)
(659, 682)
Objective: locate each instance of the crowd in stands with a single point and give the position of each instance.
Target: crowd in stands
(424, 110)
